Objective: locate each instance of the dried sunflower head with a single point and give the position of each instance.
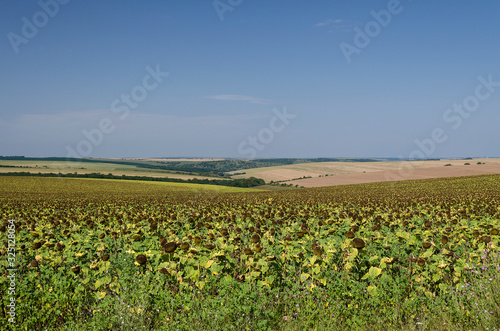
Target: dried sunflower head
(141, 259)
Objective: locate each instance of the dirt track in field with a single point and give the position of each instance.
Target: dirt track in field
(404, 172)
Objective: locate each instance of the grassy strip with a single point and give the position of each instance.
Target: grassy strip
(146, 300)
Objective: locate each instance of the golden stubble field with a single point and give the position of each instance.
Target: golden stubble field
(344, 173)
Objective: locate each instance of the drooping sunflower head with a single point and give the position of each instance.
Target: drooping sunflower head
(170, 247)
(141, 259)
(426, 244)
(358, 243)
(317, 250)
(255, 238)
(185, 246)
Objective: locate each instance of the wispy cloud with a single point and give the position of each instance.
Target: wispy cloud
(326, 22)
(337, 24)
(237, 97)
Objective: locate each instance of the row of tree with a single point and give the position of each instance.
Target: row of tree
(241, 182)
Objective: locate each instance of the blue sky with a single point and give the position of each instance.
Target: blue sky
(269, 79)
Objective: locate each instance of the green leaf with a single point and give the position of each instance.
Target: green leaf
(188, 270)
(246, 287)
(428, 253)
(262, 262)
(443, 287)
(372, 290)
(209, 263)
(204, 260)
(165, 257)
(313, 259)
(115, 286)
(373, 273)
(255, 274)
(216, 267)
(102, 281)
(100, 295)
(270, 279)
(195, 275)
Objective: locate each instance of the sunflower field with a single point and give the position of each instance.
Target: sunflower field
(111, 255)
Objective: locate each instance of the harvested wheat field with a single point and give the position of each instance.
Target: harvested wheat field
(406, 171)
(293, 173)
